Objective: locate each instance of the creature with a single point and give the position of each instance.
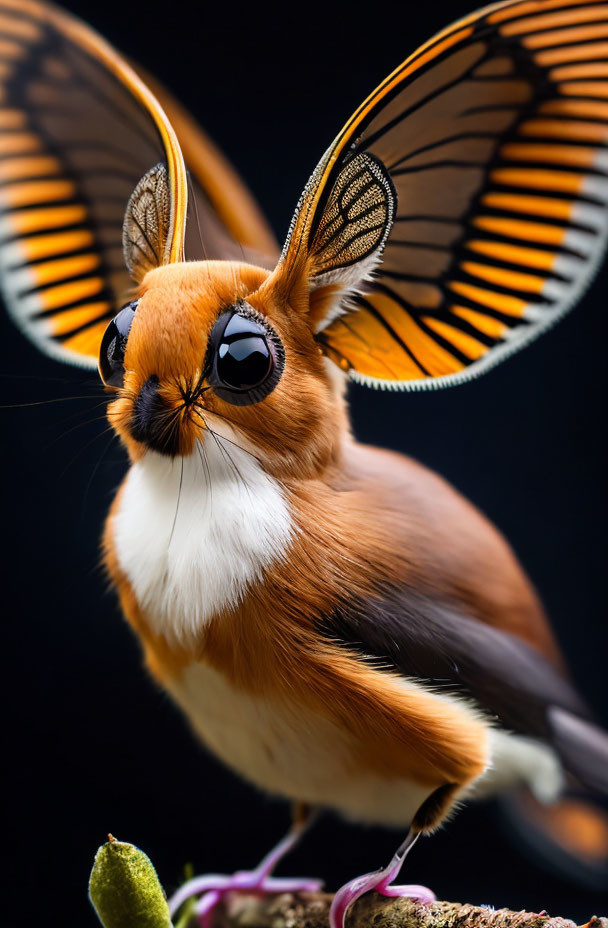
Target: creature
(308, 595)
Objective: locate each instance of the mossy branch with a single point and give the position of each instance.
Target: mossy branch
(126, 893)
(311, 910)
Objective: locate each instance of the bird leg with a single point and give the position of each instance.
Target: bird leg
(381, 881)
(213, 887)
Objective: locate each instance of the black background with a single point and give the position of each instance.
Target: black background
(91, 745)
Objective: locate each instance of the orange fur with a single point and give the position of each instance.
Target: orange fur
(298, 425)
(421, 532)
(334, 538)
(399, 733)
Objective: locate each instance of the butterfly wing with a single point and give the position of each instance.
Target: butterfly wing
(494, 134)
(78, 129)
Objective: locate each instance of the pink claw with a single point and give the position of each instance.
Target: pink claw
(345, 897)
(204, 908)
(378, 880)
(413, 891)
(244, 881)
(381, 881)
(215, 887)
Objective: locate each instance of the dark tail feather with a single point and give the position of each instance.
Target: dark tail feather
(582, 746)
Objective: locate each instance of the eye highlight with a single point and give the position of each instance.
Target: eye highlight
(113, 346)
(245, 356)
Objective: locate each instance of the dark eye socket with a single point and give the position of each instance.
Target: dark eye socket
(113, 346)
(245, 357)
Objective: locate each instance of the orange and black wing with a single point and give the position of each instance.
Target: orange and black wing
(495, 135)
(78, 130)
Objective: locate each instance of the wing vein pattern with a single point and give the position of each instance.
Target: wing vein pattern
(78, 130)
(495, 135)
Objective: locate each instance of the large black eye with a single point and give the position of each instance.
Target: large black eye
(245, 357)
(113, 346)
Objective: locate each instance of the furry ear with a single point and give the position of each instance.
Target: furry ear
(345, 238)
(336, 240)
(354, 224)
(146, 238)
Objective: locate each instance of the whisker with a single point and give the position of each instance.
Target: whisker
(205, 463)
(244, 428)
(44, 379)
(240, 447)
(198, 220)
(236, 285)
(59, 399)
(81, 412)
(197, 410)
(243, 259)
(79, 425)
(230, 459)
(199, 388)
(95, 470)
(179, 496)
(222, 450)
(83, 449)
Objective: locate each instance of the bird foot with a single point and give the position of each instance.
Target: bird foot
(214, 887)
(382, 882)
(379, 881)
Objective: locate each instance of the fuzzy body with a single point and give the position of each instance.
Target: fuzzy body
(228, 591)
(338, 624)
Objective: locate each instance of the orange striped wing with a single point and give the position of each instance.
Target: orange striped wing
(78, 129)
(495, 135)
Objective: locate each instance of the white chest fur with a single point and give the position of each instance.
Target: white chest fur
(193, 534)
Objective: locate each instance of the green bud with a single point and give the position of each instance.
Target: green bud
(125, 890)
